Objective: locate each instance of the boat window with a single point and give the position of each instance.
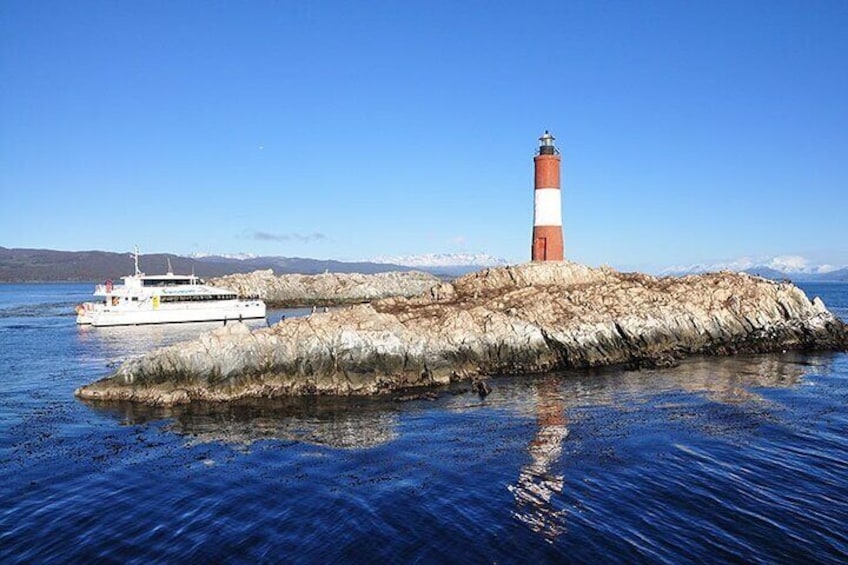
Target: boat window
(198, 297)
(166, 282)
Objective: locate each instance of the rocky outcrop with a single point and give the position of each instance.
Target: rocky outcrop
(328, 289)
(515, 320)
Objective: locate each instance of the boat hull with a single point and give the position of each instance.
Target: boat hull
(99, 316)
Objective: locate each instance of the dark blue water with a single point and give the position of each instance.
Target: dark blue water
(736, 459)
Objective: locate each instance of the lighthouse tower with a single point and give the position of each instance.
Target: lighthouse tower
(547, 209)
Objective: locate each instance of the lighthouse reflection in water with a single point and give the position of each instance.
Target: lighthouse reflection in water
(538, 484)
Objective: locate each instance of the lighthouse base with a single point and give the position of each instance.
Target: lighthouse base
(547, 244)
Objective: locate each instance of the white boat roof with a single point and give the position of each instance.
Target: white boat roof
(166, 276)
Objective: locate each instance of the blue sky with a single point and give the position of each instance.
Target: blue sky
(690, 131)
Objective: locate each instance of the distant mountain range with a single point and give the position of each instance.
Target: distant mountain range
(778, 268)
(29, 265)
(444, 260)
(454, 264)
(24, 265)
(839, 275)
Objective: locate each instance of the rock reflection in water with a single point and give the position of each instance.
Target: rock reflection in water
(339, 423)
(727, 380)
(538, 492)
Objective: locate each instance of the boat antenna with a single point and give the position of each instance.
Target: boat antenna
(135, 256)
(170, 269)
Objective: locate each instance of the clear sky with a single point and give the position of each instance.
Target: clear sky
(690, 131)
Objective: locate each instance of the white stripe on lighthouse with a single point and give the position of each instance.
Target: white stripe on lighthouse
(547, 209)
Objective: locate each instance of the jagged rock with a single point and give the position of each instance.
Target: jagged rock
(481, 387)
(328, 289)
(530, 318)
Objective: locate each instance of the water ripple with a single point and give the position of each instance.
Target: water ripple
(718, 460)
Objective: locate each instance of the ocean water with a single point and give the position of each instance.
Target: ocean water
(717, 460)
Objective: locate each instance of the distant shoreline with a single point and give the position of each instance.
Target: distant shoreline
(45, 265)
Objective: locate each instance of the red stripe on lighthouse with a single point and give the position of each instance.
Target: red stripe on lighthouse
(547, 171)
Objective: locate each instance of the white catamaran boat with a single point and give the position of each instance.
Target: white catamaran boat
(164, 299)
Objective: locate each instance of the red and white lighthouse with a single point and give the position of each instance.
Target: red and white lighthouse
(547, 209)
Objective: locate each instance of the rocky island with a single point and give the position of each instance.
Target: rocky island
(328, 289)
(530, 318)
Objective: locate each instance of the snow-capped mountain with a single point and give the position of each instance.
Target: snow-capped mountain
(236, 256)
(443, 260)
(792, 266)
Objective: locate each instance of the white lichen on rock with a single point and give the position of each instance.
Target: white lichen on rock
(327, 288)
